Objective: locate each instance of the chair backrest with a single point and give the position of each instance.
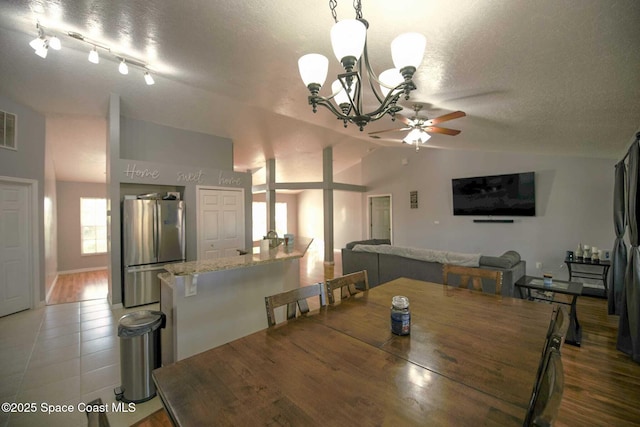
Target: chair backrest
(296, 298)
(347, 285)
(473, 274)
(561, 324)
(544, 405)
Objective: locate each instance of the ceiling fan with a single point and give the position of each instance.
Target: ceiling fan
(419, 126)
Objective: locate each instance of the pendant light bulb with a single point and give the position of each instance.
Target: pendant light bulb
(123, 68)
(148, 78)
(94, 58)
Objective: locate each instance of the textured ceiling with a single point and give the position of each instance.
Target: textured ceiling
(550, 76)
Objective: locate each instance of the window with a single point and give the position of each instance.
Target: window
(260, 219)
(93, 221)
(8, 130)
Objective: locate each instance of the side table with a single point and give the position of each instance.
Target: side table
(584, 272)
(572, 289)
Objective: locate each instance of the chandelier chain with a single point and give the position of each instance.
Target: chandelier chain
(332, 5)
(357, 5)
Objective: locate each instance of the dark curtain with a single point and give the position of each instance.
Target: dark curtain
(629, 327)
(619, 259)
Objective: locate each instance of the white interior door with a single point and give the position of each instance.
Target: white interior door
(380, 217)
(220, 223)
(15, 238)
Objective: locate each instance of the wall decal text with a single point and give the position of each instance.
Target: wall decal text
(133, 172)
(191, 177)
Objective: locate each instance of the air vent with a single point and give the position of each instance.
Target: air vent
(8, 123)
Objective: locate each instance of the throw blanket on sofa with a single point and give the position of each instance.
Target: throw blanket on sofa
(442, 257)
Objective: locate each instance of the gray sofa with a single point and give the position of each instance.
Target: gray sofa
(382, 268)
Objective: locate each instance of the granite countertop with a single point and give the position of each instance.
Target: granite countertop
(279, 253)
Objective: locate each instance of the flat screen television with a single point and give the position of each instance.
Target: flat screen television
(499, 195)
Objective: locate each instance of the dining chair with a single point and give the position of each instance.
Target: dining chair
(561, 325)
(347, 285)
(473, 274)
(545, 401)
(294, 300)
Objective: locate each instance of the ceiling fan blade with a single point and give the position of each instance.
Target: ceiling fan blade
(444, 131)
(446, 117)
(388, 130)
(407, 121)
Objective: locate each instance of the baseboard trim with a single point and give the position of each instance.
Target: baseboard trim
(82, 270)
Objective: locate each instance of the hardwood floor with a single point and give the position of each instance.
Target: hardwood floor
(602, 385)
(79, 287)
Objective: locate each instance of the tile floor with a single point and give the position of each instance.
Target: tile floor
(63, 354)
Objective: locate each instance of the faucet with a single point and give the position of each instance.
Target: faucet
(274, 241)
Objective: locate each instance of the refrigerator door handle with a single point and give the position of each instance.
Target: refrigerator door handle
(156, 218)
(144, 269)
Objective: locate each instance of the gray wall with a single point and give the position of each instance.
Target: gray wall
(573, 195)
(156, 143)
(573, 203)
(28, 162)
(70, 257)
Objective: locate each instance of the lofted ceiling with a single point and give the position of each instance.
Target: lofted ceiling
(560, 77)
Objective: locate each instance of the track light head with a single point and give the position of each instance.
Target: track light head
(54, 43)
(148, 78)
(94, 58)
(123, 68)
(42, 50)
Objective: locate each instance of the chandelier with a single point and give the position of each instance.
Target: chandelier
(349, 41)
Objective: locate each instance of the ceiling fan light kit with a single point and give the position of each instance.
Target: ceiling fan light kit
(43, 42)
(419, 126)
(349, 41)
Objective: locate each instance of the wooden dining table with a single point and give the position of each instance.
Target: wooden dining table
(470, 359)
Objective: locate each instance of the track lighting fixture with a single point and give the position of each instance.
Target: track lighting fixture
(42, 43)
(123, 68)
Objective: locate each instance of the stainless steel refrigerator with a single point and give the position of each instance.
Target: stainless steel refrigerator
(152, 236)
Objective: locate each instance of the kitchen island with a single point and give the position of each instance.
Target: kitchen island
(212, 302)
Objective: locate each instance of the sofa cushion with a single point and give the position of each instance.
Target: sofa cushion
(350, 245)
(506, 260)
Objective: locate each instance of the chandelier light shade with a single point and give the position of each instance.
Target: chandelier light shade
(349, 42)
(313, 69)
(407, 50)
(347, 38)
(389, 79)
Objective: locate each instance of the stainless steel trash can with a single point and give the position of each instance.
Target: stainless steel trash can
(139, 334)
